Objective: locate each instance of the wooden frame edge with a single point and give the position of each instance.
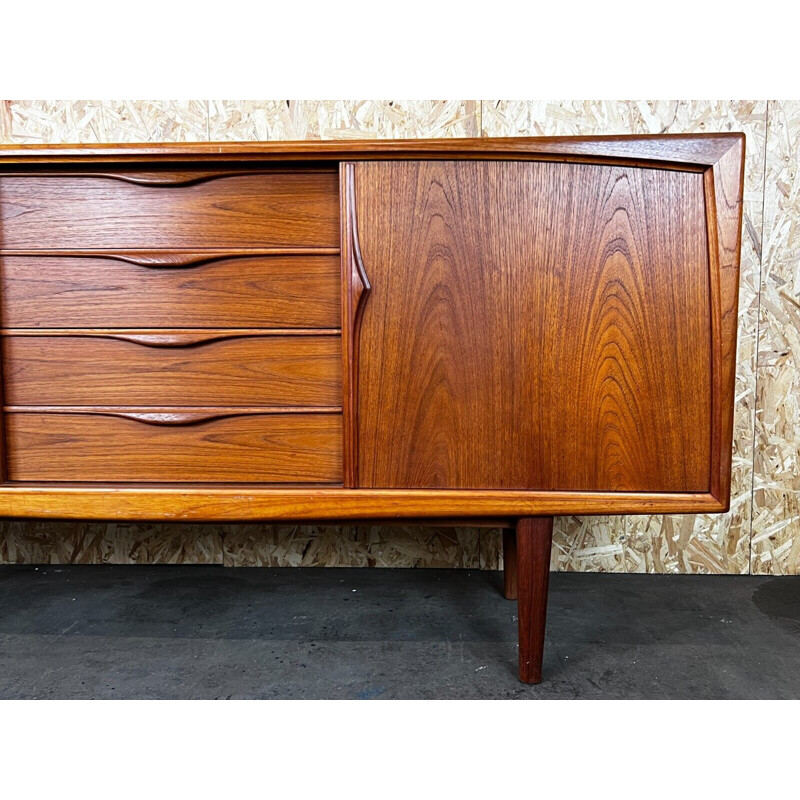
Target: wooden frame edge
(348, 390)
(724, 194)
(690, 151)
(204, 503)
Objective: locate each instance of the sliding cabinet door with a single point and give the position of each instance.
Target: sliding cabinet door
(529, 325)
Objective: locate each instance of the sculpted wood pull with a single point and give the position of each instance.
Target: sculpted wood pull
(149, 417)
(156, 260)
(177, 416)
(176, 259)
(356, 287)
(159, 177)
(170, 338)
(359, 282)
(170, 417)
(166, 177)
(175, 339)
(170, 178)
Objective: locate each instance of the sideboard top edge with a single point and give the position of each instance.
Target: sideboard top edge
(700, 150)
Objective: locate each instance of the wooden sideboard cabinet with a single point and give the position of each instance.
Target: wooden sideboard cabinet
(488, 331)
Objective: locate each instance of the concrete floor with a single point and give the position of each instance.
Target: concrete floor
(214, 632)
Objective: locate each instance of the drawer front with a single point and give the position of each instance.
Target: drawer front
(276, 209)
(250, 292)
(194, 369)
(253, 448)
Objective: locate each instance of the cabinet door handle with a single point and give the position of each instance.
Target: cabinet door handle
(359, 282)
(356, 291)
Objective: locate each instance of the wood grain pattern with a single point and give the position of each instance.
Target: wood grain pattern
(3, 448)
(272, 209)
(104, 291)
(534, 325)
(724, 182)
(168, 258)
(171, 177)
(534, 539)
(181, 415)
(208, 502)
(355, 290)
(702, 543)
(691, 151)
(633, 213)
(170, 337)
(510, 581)
(222, 369)
(252, 448)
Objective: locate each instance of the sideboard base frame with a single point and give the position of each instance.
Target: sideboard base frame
(241, 503)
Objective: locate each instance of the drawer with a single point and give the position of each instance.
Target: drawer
(247, 292)
(172, 210)
(202, 446)
(172, 368)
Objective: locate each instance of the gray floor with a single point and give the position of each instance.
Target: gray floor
(214, 632)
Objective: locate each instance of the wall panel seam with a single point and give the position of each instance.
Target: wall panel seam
(758, 334)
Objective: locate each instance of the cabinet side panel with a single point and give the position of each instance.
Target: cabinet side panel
(533, 325)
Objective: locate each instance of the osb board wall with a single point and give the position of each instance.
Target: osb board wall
(775, 543)
(761, 533)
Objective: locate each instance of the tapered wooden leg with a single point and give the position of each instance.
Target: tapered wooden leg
(510, 563)
(534, 538)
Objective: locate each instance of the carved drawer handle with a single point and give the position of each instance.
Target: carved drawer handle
(149, 416)
(209, 415)
(170, 178)
(156, 260)
(170, 417)
(182, 339)
(177, 416)
(171, 338)
(177, 259)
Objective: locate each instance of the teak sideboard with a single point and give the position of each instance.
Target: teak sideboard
(485, 331)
